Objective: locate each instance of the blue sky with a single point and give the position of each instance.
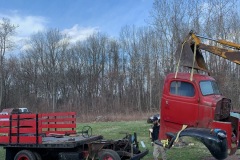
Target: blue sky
(78, 18)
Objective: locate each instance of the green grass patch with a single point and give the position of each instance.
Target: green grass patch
(113, 130)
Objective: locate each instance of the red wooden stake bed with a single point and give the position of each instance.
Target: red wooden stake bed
(32, 128)
(53, 136)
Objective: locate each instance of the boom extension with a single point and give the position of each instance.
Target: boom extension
(193, 40)
(232, 55)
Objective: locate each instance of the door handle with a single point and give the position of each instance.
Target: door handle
(166, 104)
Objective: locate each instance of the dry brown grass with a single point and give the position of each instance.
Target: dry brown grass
(114, 117)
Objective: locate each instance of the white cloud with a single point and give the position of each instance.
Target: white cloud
(77, 33)
(26, 26)
(29, 25)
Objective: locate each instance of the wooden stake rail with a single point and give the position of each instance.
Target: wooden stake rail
(31, 128)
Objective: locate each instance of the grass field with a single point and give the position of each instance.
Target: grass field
(111, 130)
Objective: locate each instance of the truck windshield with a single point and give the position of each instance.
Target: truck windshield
(209, 87)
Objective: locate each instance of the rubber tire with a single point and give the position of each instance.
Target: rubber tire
(25, 153)
(37, 155)
(103, 154)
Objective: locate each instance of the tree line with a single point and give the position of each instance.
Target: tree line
(103, 75)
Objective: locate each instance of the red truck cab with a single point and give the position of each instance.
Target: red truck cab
(198, 104)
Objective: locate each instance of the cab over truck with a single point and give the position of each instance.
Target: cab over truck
(192, 105)
(53, 136)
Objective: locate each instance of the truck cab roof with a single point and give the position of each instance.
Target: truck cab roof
(186, 76)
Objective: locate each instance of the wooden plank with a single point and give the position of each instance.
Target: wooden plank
(51, 133)
(4, 130)
(29, 139)
(4, 139)
(33, 116)
(21, 130)
(4, 123)
(24, 116)
(4, 116)
(58, 126)
(59, 123)
(25, 130)
(50, 115)
(25, 122)
(58, 120)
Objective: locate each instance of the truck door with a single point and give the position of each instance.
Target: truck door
(180, 104)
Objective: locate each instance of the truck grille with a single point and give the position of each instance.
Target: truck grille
(223, 108)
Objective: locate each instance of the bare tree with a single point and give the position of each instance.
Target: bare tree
(6, 31)
(49, 49)
(102, 75)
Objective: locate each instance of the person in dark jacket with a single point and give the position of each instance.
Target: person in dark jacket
(157, 149)
(155, 129)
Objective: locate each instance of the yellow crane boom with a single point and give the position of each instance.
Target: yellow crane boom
(230, 54)
(192, 46)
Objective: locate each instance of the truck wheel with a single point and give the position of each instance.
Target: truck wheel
(25, 155)
(108, 154)
(37, 155)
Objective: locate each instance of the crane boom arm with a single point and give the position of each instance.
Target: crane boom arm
(232, 55)
(190, 55)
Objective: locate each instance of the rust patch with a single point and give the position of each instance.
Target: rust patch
(231, 55)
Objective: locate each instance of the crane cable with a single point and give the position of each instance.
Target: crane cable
(194, 59)
(180, 58)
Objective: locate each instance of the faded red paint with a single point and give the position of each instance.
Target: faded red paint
(196, 111)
